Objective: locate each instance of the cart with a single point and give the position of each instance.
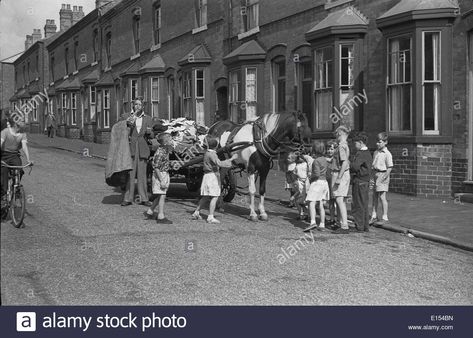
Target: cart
(187, 167)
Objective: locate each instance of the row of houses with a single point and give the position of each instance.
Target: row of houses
(401, 66)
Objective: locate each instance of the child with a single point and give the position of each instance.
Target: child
(319, 190)
(160, 180)
(211, 185)
(361, 169)
(341, 177)
(331, 147)
(290, 178)
(382, 165)
(302, 174)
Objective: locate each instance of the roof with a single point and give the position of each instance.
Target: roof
(23, 94)
(105, 80)
(408, 10)
(198, 54)
(347, 20)
(74, 84)
(155, 65)
(34, 88)
(92, 76)
(250, 50)
(63, 85)
(133, 69)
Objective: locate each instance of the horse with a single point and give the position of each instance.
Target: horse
(257, 142)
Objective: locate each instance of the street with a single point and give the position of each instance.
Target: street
(80, 247)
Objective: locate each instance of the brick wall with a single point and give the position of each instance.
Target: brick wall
(103, 136)
(459, 174)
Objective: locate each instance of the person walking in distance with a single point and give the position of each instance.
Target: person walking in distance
(50, 124)
(141, 130)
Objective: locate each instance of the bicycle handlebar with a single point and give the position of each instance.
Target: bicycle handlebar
(29, 164)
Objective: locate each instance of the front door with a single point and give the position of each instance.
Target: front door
(222, 104)
(470, 106)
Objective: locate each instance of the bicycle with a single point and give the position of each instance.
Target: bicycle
(15, 196)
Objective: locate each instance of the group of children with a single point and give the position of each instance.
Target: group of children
(210, 187)
(326, 176)
(323, 177)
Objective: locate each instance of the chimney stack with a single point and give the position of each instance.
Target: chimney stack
(77, 14)
(28, 41)
(65, 17)
(49, 28)
(36, 35)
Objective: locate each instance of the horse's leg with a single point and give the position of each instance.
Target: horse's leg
(252, 190)
(263, 174)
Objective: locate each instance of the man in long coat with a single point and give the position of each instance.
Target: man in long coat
(141, 129)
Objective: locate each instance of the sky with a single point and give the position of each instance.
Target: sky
(18, 18)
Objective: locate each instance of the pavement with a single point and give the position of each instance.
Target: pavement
(446, 221)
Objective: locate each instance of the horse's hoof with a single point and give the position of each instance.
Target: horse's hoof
(263, 217)
(253, 218)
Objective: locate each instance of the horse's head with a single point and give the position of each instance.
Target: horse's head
(299, 131)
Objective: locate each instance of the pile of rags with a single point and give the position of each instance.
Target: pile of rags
(185, 133)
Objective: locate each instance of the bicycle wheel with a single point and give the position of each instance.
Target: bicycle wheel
(18, 206)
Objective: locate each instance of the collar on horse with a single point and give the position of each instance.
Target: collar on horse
(261, 142)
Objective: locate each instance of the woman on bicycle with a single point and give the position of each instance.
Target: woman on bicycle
(12, 140)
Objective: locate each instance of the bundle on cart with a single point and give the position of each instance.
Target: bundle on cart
(185, 133)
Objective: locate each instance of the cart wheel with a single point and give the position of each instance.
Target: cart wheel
(228, 186)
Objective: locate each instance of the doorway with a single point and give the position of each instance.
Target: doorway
(221, 112)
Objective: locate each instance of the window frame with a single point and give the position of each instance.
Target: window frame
(154, 100)
(250, 6)
(234, 101)
(157, 25)
(438, 83)
(136, 34)
(106, 108)
(404, 83)
(66, 60)
(92, 103)
(328, 80)
(200, 13)
(276, 78)
(133, 92)
(73, 108)
(108, 49)
(255, 101)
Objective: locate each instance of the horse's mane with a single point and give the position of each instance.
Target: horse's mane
(270, 122)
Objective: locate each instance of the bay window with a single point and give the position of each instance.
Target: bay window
(65, 105)
(154, 97)
(92, 102)
(250, 93)
(106, 108)
(199, 96)
(187, 94)
(399, 88)
(323, 88)
(431, 81)
(73, 109)
(234, 97)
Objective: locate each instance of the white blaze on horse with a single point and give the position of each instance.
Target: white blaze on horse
(257, 142)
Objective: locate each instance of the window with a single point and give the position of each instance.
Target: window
(399, 86)
(187, 93)
(51, 67)
(37, 65)
(66, 59)
(201, 13)
(108, 49)
(249, 14)
(73, 109)
(35, 110)
(157, 25)
(93, 102)
(133, 89)
(250, 94)
(199, 96)
(346, 92)
(24, 74)
(170, 85)
(76, 51)
(431, 81)
(106, 108)
(234, 99)
(136, 34)
(303, 88)
(95, 46)
(28, 72)
(65, 105)
(155, 97)
(279, 85)
(323, 88)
